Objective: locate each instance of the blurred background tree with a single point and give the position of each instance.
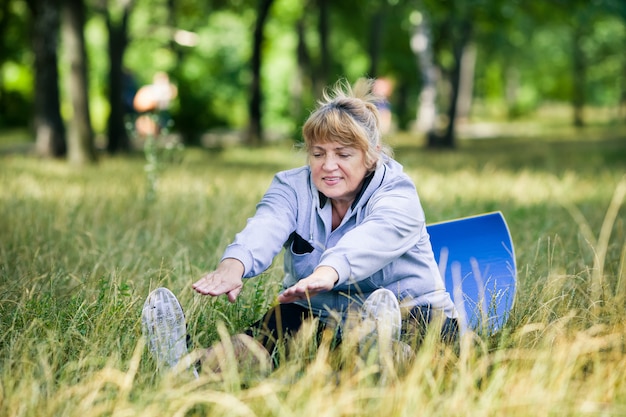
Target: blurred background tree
(254, 68)
(47, 123)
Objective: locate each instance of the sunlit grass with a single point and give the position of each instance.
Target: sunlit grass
(80, 248)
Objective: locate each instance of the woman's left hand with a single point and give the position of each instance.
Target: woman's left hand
(321, 280)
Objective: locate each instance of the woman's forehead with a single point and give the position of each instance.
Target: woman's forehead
(331, 145)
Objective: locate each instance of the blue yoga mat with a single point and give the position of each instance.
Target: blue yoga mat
(477, 260)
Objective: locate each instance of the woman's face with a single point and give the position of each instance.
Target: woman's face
(338, 171)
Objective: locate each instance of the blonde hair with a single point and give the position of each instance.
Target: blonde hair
(348, 115)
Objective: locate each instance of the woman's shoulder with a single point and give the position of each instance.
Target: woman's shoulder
(392, 165)
(394, 171)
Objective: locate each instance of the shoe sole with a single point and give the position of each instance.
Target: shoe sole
(383, 309)
(163, 325)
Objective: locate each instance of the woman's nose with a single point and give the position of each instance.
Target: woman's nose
(330, 163)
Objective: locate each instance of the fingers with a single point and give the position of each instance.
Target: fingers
(301, 291)
(232, 295)
(226, 279)
(205, 285)
(286, 299)
(292, 294)
(215, 284)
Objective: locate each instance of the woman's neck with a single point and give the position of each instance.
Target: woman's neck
(339, 210)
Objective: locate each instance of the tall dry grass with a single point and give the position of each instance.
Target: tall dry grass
(81, 248)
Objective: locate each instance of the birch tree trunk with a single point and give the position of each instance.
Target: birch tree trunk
(421, 45)
(622, 99)
(579, 78)
(466, 82)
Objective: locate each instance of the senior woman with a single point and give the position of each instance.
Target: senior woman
(353, 230)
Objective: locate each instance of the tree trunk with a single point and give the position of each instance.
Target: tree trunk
(511, 90)
(461, 32)
(118, 140)
(4, 19)
(622, 98)
(188, 136)
(321, 79)
(376, 31)
(303, 73)
(466, 82)
(448, 139)
(421, 45)
(49, 128)
(579, 68)
(255, 127)
(80, 135)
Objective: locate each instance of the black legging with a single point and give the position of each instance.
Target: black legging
(415, 326)
(284, 320)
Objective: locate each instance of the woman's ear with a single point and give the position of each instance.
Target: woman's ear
(373, 163)
(376, 159)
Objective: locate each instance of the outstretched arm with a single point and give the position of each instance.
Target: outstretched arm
(226, 279)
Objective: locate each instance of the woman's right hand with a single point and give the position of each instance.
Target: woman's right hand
(322, 279)
(226, 279)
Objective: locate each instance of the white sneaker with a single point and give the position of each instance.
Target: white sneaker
(163, 325)
(381, 322)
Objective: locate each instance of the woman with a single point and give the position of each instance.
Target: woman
(352, 227)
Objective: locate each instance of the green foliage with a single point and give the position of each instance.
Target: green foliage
(211, 68)
(16, 79)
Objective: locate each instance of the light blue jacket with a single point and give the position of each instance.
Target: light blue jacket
(381, 242)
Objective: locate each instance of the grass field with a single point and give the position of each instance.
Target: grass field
(80, 248)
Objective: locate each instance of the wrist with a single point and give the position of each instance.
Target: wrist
(232, 264)
(329, 273)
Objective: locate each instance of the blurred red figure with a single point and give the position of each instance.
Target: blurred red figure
(155, 99)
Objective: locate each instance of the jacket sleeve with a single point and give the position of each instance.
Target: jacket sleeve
(391, 224)
(265, 233)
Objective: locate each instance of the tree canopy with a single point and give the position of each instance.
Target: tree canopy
(257, 67)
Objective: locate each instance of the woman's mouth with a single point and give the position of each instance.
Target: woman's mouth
(331, 180)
